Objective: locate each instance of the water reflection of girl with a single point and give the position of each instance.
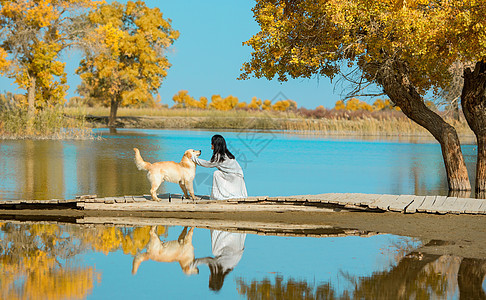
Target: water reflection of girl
(227, 249)
(228, 180)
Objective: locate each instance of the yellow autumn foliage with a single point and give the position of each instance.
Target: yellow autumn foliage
(255, 104)
(354, 104)
(34, 33)
(267, 105)
(227, 103)
(420, 39)
(183, 100)
(339, 105)
(124, 58)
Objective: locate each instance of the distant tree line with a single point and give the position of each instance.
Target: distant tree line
(183, 100)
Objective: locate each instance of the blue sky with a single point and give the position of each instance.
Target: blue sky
(207, 57)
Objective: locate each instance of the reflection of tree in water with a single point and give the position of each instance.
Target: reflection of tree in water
(416, 276)
(108, 239)
(292, 289)
(39, 260)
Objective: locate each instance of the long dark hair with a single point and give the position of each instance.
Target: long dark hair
(219, 149)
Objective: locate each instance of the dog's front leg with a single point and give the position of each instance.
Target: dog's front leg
(190, 189)
(184, 189)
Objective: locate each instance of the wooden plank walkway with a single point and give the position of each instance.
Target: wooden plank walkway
(309, 203)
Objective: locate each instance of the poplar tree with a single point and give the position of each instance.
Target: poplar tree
(125, 53)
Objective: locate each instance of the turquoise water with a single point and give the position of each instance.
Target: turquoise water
(274, 164)
(94, 265)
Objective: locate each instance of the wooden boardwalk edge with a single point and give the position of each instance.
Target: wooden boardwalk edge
(310, 203)
(250, 227)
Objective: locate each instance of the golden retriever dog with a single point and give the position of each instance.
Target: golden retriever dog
(181, 251)
(182, 173)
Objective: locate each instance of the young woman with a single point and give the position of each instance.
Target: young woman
(228, 180)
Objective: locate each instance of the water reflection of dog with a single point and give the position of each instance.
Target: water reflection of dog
(227, 249)
(180, 250)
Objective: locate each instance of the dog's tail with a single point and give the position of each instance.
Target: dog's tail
(141, 164)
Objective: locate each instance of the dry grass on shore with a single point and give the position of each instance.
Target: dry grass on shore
(322, 122)
(49, 123)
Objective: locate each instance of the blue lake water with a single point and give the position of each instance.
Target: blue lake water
(69, 261)
(274, 164)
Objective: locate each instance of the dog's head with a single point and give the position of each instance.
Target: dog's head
(192, 153)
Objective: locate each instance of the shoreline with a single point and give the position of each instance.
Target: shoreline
(462, 235)
(299, 126)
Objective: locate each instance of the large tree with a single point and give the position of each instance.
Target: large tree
(125, 53)
(465, 36)
(392, 44)
(33, 33)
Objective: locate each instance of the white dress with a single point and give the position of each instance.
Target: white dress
(227, 248)
(228, 180)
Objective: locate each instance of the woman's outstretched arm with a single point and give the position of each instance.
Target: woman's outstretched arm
(204, 163)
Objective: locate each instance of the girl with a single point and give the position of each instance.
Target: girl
(228, 180)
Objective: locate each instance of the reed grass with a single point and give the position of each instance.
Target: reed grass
(317, 122)
(48, 123)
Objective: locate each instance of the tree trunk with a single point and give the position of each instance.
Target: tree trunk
(115, 102)
(401, 91)
(473, 101)
(481, 163)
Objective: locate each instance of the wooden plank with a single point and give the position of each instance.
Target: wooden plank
(314, 199)
(109, 200)
(84, 197)
(324, 198)
(383, 202)
(341, 199)
(417, 201)
(350, 199)
(295, 199)
(129, 199)
(427, 204)
(459, 206)
(360, 199)
(472, 206)
(447, 205)
(367, 199)
(175, 200)
(120, 199)
(401, 203)
(482, 209)
(255, 199)
(439, 201)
